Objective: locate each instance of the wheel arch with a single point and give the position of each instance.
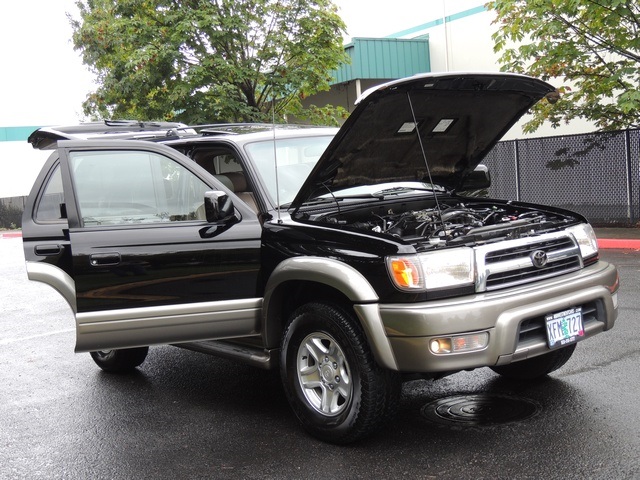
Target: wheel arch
(299, 280)
(56, 278)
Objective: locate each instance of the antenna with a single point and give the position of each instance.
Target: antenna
(275, 150)
(424, 157)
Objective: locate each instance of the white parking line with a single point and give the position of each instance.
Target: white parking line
(8, 341)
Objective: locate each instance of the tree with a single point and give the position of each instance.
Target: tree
(592, 47)
(200, 61)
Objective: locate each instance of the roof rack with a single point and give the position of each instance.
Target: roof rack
(47, 137)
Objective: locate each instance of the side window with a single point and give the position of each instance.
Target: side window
(131, 187)
(226, 163)
(217, 161)
(48, 209)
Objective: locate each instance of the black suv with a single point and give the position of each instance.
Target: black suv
(346, 258)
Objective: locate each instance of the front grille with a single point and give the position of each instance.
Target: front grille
(533, 330)
(511, 264)
(518, 251)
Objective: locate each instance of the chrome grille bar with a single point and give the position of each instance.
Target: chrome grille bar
(510, 263)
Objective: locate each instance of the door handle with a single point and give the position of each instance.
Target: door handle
(48, 250)
(100, 259)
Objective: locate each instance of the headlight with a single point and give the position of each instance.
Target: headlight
(433, 270)
(586, 238)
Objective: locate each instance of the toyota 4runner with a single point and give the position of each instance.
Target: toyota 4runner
(349, 259)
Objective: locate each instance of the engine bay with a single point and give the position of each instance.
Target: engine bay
(450, 222)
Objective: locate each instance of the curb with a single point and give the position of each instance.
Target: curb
(619, 243)
(10, 234)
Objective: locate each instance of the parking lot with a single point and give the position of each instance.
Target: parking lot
(188, 415)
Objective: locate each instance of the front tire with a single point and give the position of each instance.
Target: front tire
(335, 387)
(536, 367)
(120, 361)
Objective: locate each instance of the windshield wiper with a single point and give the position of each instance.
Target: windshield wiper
(320, 200)
(399, 190)
(380, 195)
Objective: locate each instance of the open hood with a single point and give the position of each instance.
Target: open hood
(455, 118)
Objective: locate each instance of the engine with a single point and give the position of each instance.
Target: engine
(452, 223)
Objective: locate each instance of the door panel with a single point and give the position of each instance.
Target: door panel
(156, 266)
(45, 233)
(143, 257)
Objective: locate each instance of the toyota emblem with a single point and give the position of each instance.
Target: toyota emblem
(539, 258)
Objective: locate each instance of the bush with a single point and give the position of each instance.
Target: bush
(10, 216)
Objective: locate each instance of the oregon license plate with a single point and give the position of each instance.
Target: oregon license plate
(564, 328)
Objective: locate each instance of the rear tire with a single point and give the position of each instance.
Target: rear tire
(335, 387)
(120, 361)
(536, 367)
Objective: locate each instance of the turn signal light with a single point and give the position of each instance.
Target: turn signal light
(405, 273)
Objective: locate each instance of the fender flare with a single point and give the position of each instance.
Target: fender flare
(348, 281)
(54, 277)
(333, 273)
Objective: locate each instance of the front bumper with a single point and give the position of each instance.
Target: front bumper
(401, 333)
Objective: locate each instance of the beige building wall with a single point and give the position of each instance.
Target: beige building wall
(459, 33)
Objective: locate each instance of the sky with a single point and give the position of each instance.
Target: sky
(43, 80)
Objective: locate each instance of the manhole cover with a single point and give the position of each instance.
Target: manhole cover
(479, 410)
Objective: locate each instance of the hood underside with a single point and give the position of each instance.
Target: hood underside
(429, 128)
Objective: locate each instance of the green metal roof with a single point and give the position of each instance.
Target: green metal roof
(384, 58)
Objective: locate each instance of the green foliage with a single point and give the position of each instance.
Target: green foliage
(200, 61)
(590, 47)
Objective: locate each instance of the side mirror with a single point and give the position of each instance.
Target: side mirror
(478, 179)
(218, 207)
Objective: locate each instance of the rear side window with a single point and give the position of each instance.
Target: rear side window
(48, 209)
(132, 187)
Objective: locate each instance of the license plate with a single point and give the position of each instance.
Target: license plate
(564, 328)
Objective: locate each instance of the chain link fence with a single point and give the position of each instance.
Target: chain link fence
(11, 209)
(596, 174)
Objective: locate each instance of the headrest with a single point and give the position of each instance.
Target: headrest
(238, 181)
(226, 181)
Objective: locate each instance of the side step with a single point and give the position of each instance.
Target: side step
(249, 354)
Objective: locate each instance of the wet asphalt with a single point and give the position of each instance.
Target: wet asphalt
(188, 415)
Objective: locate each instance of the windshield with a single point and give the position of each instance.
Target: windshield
(296, 159)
